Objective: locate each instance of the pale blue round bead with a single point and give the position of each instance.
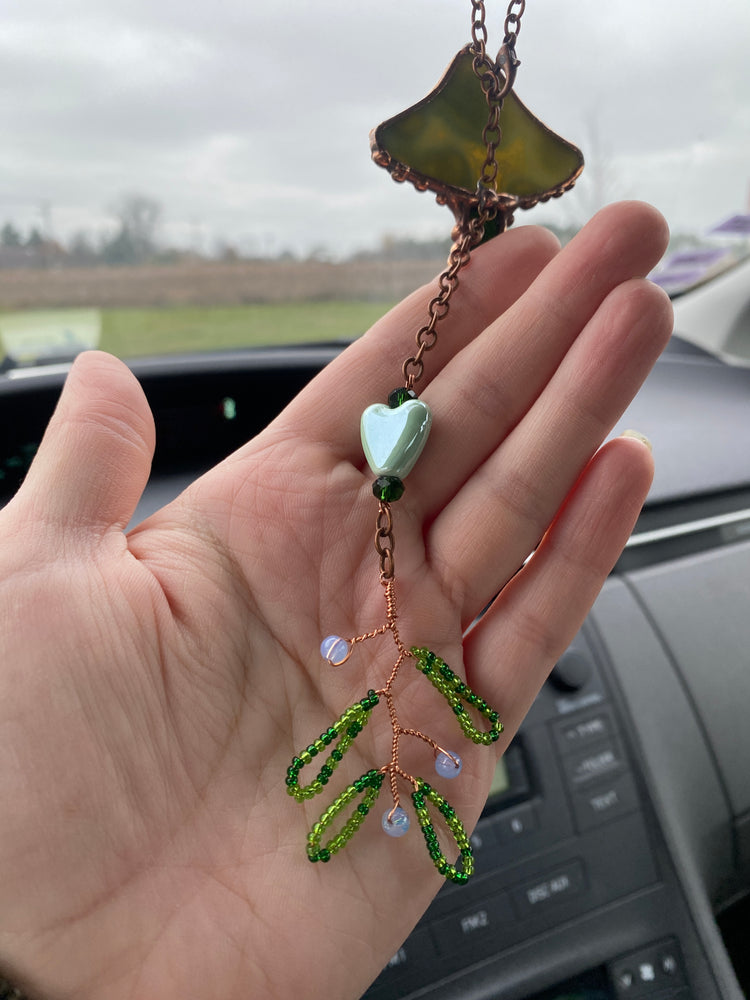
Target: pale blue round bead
(335, 649)
(448, 767)
(398, 824)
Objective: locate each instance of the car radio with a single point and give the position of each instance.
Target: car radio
(566, 799)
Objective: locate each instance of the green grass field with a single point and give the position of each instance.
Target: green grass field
(131, 332)
(134, 332)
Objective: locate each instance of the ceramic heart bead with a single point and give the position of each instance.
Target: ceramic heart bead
(393, 439)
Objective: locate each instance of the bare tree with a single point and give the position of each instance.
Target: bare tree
(135, 240)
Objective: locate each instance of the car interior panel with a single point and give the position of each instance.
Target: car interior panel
(613, 855)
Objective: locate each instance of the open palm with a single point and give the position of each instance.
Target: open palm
(155, 685)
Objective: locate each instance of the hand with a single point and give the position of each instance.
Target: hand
(156, 685)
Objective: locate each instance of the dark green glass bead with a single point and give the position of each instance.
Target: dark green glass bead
(388, 489)
(400, 396)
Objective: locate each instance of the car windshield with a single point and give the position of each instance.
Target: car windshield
(181, 177)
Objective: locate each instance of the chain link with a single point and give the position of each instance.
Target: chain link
(384, 541)
(426, 338)
(516, 9)
(467, 234)
(495, 87)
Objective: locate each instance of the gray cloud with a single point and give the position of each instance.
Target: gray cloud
(250, 121)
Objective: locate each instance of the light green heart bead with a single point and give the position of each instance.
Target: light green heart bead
(393, 439)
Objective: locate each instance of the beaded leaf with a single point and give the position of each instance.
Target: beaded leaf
(342, 734)
(344, 730)
(423, 794)
(459, 696)
(368, 786)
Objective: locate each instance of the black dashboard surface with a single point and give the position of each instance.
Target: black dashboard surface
(623, 823)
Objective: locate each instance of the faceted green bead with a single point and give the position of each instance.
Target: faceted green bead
(389, 489)
(400, 396)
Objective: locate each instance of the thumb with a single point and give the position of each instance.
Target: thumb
(95, 457)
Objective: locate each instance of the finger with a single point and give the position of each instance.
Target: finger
(487, 388)
(95, 457)
(329, 409)
(511, 651)
(498, 517)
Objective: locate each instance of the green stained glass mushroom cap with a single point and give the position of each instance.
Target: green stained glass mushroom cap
(437, 145)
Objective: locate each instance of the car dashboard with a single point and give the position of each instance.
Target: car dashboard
(619, 821)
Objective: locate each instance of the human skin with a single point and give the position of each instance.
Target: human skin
(155, 684)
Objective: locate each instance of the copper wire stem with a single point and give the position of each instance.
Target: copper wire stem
(393, 768)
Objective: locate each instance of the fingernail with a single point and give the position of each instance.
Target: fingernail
(638, 437)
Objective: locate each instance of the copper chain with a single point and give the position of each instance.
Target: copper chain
(384, 542)
(470, 233)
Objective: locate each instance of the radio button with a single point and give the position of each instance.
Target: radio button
(649, 972)
(416, 956)
(481, 922)
(573, 734)
(557, 887)
(484, 846)
(515, 824)
(572, 671)
(595, 763)
(605, 802)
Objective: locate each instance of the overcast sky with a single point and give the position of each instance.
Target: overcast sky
(248, 120)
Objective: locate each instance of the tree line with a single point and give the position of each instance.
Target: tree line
(132, 242)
